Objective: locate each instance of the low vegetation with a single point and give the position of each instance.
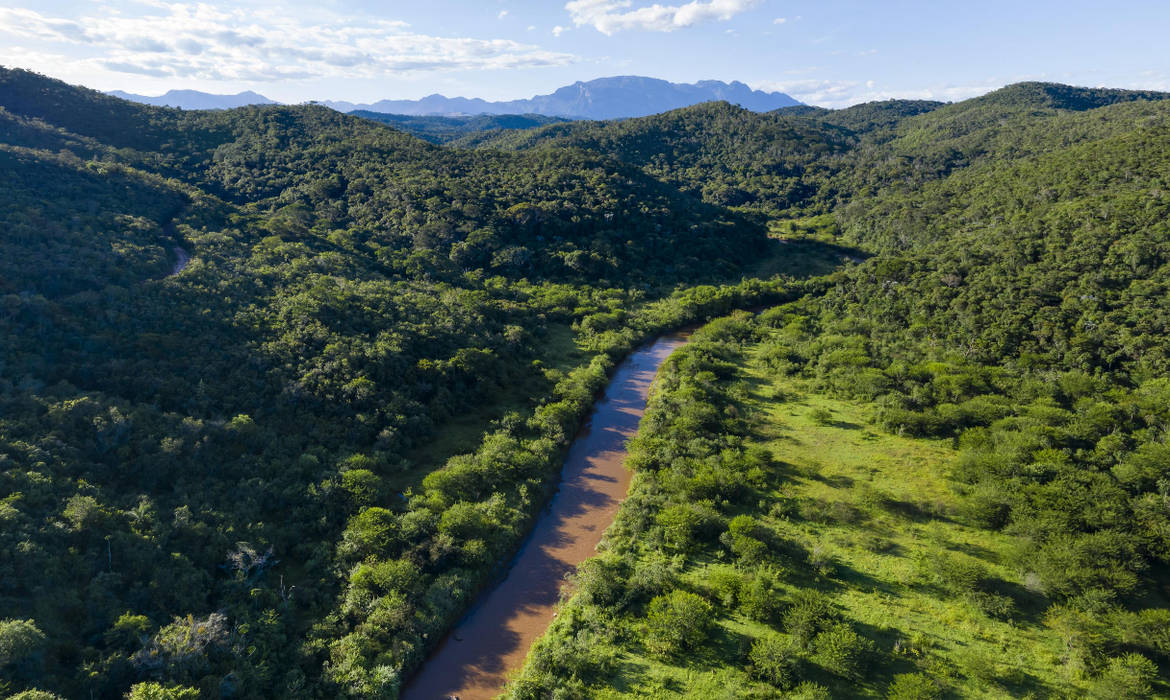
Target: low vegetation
(778, 544)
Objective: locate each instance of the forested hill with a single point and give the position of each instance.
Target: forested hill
(166, 439)
(942, 474)
(811, 161)
(224, 482)
(447, 129)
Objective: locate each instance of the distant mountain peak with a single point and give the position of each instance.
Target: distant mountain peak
(615, 97)
(194, 99)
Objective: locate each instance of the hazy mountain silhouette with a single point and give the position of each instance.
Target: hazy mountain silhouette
(193, 99)
(604, 98)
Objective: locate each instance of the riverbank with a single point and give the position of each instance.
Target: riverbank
(494, 637)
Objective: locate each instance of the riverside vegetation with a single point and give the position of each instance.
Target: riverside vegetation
(225, 483)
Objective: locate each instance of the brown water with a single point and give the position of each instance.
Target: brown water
(494, 637)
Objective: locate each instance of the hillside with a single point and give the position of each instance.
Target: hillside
(440, 130)
(283, 388)
(167, 439)
(940, 475)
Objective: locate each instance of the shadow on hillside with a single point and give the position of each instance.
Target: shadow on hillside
(802, 258)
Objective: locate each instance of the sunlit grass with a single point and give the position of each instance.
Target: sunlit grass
(892, 504)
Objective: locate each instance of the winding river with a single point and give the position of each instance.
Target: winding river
(493, 638)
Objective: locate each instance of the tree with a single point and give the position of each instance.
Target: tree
(18, 640)
(913, 686)
(774, 659)
(677, 622)
(156, 691)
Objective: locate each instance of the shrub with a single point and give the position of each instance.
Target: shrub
(912, 686)
(774, 659)
(18, 639)
(748, 551)
(809, 614)
(679, 524)
(725, 585)
(759, 600)
(810, 691)
(650, 579)
(1126, 678)
(370, 532)
(822, 562)
(156, 691)
(362, 486)
(821, 416)
(381, 578)
(677, 622)
(842, 652)
(601, 581)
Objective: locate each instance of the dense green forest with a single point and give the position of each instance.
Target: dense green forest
(782, 536)
(236, 476)
(436, 129)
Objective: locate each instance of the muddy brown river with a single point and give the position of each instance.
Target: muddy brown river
(495, 635)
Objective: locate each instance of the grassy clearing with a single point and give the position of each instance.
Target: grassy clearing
(871, 507)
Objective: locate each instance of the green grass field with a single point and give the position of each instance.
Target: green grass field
(871, 507)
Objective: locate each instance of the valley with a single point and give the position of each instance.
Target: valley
(916, 449)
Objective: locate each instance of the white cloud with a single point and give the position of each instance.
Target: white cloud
(836, 94)
(779, 20)
(206, 42)
(503, 14)
(531, 27)
(558, 30)
(611, 16)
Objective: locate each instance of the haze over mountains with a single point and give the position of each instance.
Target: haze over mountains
(604, 98)
(194, 99)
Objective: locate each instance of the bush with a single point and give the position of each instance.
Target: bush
(810, 613)
(725, 586)
(370, 533)
(363, 487)
(842, 652)
(1126, 678)
(810, 691)
(601, 581)
(774, 659)
(759, 600)
(156, 691)
(679, 524)
(913, 686)
(821, 416)
(677, 622)
(18, 639)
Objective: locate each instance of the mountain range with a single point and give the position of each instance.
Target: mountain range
(604, 98)
(194, 99)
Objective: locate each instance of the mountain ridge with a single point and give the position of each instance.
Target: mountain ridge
(616, 97)
(603, 98)
(194, 99)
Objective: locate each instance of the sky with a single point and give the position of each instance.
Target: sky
(827, 53)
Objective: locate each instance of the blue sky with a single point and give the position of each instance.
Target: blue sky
(827, 53)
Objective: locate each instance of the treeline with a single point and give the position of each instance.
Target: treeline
(440, 130)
